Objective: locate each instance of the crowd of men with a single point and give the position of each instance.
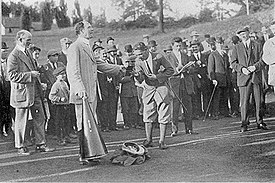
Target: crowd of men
(189, 80)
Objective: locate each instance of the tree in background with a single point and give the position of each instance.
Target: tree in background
(62, 20)
(206, 15)
(26, 19)
(35, 12)
(87, 15)
(5, 9)
(47, 14)
(100, 20)
(16, 9)
(76, 13)
(161, 26)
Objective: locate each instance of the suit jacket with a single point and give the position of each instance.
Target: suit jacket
(242, 57)
(161, 68)
(62, 58)
(200, 75)
(176, 81)
(47, 75)
(82, 71)
(19, 67)
(128, 87)
(218, 68)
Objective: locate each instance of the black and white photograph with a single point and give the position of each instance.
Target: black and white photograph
(137, 91)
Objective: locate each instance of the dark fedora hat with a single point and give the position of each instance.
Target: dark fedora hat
(4, 46)
(59, 70)
(95, 47)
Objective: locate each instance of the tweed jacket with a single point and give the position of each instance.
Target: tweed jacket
(175, 81)
(19, 67)
(243, 58)
(218, 67)
(82, 71)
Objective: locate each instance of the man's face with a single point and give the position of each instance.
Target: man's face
(111, 42)
(4, 54)
(213, 46)
(195, 38)
(62, 76)
(244, 36)
(88, 31)
(53, 58)
(153, 48)
(195, 48)
(177, 46)
(146, 40)
(97, 52)
(26, 40)
(35, 54)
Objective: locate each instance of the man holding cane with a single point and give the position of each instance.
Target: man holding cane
(82, 75)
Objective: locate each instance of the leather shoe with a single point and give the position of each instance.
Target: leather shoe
(147, 143)
(173, 134)
(162, 146)
(191, 132)
(262, 126)
(243, 129)
(44, 148)
(23, 151)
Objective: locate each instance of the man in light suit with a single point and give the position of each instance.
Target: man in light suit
(82, 74)
(26, 94)
(182, 84)
(246, 61)
(154, 70)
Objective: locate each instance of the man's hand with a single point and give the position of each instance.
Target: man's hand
(251, 68)
(215, 82)
(62, 99)
(43, 86)
(35, 74)
(245, 71)
(82, 94)
(152, 76)
(198, 62)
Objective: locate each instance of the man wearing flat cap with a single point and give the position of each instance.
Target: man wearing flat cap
(48, 78)
(156, 96)
(247, 62)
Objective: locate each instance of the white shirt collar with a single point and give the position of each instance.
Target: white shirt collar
(84, 40)
(21, 48)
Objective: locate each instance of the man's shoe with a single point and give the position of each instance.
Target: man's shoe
(243, 129)
(147, 143)
(23, 151)
(44, 148)
(173, 134)
(262, 126)
(191, 132)
(162, 146)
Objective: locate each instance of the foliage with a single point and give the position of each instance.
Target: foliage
(100, 20)
(206, 15)
(16, 8)
(5, 9)
(47, 14)
(76, 13)
(26, 19)
(87, 15)
(184, 22)
(61, 17)
(132, 9)
(35, 13)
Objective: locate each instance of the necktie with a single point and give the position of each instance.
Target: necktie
(149, 69)
(54, 67)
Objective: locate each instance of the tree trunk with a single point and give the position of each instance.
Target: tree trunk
(161, 28)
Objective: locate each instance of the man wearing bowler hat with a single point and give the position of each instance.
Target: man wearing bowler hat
(246, 61)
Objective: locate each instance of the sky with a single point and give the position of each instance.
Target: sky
(179, 7)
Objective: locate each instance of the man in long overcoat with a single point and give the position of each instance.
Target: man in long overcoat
(82, 74)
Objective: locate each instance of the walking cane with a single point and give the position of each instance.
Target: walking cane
(207, 109)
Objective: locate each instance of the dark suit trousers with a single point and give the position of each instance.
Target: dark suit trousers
(187, 101)
(220, 97)
(245, 92)
(21, 118)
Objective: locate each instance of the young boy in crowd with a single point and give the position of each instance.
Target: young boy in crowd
(128, 95)
(59, 96)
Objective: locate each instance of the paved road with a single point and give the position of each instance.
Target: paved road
(218, 153)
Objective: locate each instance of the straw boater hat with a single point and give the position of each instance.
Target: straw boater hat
(134, 148)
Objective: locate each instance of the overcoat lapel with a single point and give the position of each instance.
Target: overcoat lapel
(24, 58)
(249, 51)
